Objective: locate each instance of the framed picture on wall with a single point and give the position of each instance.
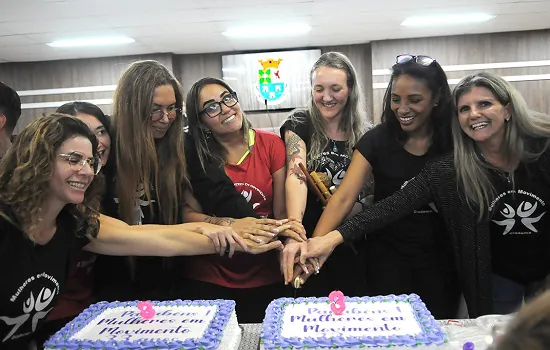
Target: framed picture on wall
(278, 79)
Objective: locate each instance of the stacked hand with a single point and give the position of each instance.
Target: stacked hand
(250, 234)
(266, 230)
(300, 259)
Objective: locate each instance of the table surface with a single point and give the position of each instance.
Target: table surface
(458, 332)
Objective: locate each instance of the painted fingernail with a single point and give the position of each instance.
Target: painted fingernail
(276, 230)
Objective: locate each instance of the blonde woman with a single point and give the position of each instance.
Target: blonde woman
(321, 137)
(492, 194)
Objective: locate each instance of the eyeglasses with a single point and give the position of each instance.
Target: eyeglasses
(171, 112)
(214, 109)
(77, 161)
(420, 59)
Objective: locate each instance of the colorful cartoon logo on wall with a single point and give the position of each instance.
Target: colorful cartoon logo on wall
(271, 86)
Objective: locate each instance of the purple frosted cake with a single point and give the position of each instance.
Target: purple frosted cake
(178, 324)
(401, 321)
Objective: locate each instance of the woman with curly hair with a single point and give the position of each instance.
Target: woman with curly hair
(80, 285)
(49, 209)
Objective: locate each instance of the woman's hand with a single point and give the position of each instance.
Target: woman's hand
(296, 231)
(321, 247)
(290, 261)
(301, 275)
(221, 237)
(258, 248)
(256, 229)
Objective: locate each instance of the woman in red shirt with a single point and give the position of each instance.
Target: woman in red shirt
(255, 162)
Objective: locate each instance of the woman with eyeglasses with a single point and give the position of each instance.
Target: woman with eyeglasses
(150, 184)
(254, 160)
(321, 138)
(49, 202)
(80, 285)
(415, 128)
(492, 194)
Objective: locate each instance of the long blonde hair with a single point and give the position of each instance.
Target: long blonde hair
(139, 157)
(524, 124)
(354, 121)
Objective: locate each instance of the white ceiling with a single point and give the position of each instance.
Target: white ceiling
(195, 26)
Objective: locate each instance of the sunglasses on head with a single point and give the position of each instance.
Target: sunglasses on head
(420, 59)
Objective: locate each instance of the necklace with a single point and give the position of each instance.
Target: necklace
(334, 146)
(508, 176)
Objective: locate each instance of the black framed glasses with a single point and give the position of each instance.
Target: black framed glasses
(77, 161)
(420, 59)
(171, 113)
(213, 109)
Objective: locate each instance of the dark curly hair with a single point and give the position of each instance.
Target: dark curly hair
(26, 172)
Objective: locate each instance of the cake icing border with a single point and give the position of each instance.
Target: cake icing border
(210, 340)
(271, 329)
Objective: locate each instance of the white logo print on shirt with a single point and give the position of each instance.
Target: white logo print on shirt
(524, 212)
(38, 305)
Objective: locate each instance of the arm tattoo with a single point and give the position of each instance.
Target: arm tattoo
(293, 148)
(296, 171)
(219, 221)
(293, 155)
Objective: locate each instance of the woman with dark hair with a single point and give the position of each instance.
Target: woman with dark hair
(412, 255)
(97, 121)
(321, 138)
(49, 202)
(492, 194)
(150, 183)
(254, 160)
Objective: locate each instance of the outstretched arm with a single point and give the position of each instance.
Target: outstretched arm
(345, 197)
(115, 237)
(414, 195)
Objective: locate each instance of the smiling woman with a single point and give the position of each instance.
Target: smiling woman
(492, 194)
(321, 139)
(150, 185)
(80, 286)
(254, 160)
(49, 201)
(415, 129)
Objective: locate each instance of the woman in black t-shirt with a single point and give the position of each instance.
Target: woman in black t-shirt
(322, 137)
(80, 287)
(49, 203)
(412, 255)
(492, 194)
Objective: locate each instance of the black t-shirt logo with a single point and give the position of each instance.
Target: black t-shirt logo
(35, 307)
(523, 213)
